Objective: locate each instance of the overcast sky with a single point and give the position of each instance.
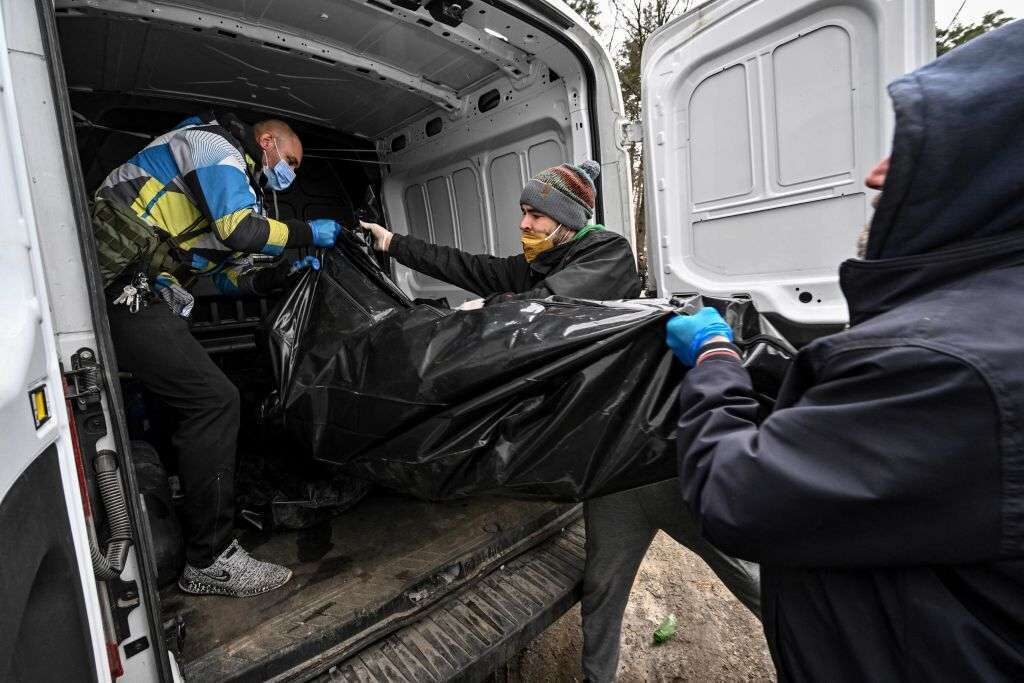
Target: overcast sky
(974, 10)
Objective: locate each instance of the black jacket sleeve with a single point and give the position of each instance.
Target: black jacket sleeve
(892, 457)
(481, 274)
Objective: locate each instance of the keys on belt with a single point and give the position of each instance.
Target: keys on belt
(135, 294)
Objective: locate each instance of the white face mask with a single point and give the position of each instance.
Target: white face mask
(281, 175)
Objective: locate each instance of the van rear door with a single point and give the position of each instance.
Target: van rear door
(761, 119)
(50, 623)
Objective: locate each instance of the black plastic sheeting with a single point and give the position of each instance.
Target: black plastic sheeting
(278, 491)
(555, 399)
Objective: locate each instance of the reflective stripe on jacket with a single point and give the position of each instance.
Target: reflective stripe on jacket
(200, 175)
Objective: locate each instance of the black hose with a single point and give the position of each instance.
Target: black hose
(109, 565)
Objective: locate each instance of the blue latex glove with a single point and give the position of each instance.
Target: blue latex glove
(263, 281)
(303, 263)
(685, 334)
(325, 231)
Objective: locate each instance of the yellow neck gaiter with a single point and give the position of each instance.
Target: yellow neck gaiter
(535, 244)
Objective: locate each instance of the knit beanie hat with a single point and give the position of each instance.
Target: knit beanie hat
(564, 193)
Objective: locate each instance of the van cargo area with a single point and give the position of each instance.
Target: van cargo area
(759, 120)
(443, 120)
(356, 576)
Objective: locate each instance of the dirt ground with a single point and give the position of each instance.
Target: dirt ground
(717, 640)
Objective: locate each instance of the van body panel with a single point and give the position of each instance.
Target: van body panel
(45, 568)
(67, 257)
(761, 119)
(461, 187)
(368, 70)
(348, 65)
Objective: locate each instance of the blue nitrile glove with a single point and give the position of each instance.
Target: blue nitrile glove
(325, 231)
(303, 263)
(264, 281)
(685, 334)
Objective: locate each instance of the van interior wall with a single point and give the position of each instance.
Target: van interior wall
(461, 187)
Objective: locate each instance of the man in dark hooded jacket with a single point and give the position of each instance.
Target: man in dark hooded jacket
(884, 496)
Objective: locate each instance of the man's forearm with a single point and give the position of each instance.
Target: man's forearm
(718, 413)
(481, 274)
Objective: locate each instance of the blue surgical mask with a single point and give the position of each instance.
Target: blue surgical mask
(281, 175)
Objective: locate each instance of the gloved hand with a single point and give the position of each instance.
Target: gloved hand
(471, 305)
(685, 334)
(304, 263)
(325, 231)
(381, 235)
(265, 281)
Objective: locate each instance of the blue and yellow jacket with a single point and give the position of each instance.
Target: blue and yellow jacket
(203, 177)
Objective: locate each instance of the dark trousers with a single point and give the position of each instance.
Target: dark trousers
(156, 346)
(620, 528)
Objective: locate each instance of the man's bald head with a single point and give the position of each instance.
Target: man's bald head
(278, 141)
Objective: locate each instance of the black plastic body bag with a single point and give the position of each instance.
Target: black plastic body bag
(555, 399)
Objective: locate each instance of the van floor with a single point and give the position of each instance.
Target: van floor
(353, 576)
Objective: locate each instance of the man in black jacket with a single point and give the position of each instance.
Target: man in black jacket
(884, 497)
(564, 255)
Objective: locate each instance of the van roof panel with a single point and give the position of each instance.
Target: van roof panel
(342, 64)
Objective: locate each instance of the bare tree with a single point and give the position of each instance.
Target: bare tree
(589, 10)
(957, 34)
(639, 19)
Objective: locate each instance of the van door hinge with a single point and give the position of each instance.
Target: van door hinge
(84, 378)
(632, 132)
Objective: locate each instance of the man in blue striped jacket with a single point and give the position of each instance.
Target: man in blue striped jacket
(191, 204)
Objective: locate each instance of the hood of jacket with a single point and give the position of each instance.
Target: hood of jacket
(243, 135)
(957, 167)
(953, 201)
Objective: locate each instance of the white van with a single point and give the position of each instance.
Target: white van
(761, 117)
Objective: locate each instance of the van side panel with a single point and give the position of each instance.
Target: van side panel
(49, 598)
(44, 605)
(64, 295)
(463, 189)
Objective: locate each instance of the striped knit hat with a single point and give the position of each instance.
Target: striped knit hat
(564, 193)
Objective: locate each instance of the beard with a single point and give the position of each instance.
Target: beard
(862, 241)
(865, 232)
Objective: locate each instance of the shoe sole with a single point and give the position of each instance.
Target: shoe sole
(196, 588)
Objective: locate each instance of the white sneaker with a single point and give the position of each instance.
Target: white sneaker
(235, 574)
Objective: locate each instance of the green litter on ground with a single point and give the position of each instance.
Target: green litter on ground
(666, 631)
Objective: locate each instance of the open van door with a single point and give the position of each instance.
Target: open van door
(760, 120)
(50, 623)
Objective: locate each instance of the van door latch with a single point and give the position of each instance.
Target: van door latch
(632, 132)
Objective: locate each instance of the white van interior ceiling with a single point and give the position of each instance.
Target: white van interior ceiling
(460, 115)
(361, 66)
